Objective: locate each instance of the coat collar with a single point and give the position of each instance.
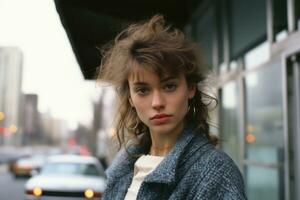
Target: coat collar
(166, 170)
(184, 147)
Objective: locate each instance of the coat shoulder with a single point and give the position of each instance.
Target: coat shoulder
(216, 176)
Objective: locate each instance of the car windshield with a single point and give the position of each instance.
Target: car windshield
(70, 168)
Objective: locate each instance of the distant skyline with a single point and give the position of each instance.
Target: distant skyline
(49, 66)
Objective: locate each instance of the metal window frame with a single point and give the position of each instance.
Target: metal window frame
(284, 58)
(285, 129)
(198, 13)
(270, 22)
(291, 15)
(288, 44)
(242, 114)
(216, 39)
(226, 34)
(297, 82)
(291, 21)
(296, 74)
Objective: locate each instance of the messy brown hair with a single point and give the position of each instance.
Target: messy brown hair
(165, 50)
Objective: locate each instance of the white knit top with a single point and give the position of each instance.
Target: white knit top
(142, 167)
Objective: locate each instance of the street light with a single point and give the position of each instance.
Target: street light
(13, 128)
(2, 116)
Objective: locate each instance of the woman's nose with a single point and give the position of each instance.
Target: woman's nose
(158, 101)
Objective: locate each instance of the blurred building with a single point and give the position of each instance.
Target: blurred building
(104, 110)
(11, 64)
(54, 131)
(48, 124)
(32, 133)
(253, 47)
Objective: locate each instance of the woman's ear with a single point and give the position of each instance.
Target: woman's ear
(192, 90)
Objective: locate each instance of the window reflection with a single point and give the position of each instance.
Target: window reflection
(230, 137)
(204, 35)
(264, 114)
(264, 133)
(262, 183)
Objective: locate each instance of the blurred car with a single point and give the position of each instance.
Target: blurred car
(23, 167)
(67, 177)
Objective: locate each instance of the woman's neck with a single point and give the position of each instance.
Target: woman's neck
(160, 151)
(162, 143)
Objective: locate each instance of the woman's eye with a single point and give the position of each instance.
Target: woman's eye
(170, 87)
(142, 90)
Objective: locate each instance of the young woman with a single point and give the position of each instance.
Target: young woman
(162, 120)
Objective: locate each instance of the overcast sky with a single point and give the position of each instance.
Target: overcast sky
(50, 68)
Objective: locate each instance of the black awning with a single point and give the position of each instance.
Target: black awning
(91, 23)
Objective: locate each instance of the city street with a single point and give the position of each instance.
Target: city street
(11, 188)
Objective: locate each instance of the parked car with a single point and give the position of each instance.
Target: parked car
(23, 167)
(72, 176)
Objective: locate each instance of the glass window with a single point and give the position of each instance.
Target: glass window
(280, 19)
(230, 142)
(204, 35)
(247, 25)
(264, 137)
(264, 133)
(263, 183)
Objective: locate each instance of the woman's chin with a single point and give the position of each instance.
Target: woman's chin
(162, 128)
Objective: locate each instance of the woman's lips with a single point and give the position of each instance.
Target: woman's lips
(160, 119)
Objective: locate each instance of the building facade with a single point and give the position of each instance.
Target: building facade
(11, 65)
(105, 146)
(254, 48)
(32, 132)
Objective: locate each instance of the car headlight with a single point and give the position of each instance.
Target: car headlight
(37, 191)
(89, 193)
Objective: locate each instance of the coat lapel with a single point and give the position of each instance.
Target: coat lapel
(123, 164)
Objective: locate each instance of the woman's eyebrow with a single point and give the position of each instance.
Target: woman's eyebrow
(140, 83)
(168, 78)
(162, 80)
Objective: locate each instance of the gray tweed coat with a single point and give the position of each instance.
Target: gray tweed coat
(193, 169)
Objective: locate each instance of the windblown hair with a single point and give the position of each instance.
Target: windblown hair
(164, 50)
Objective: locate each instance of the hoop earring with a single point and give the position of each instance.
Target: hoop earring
(191, 107)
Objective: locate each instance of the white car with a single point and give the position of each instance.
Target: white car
(67, 177)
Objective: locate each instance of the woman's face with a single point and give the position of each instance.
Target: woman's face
(161, 103)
